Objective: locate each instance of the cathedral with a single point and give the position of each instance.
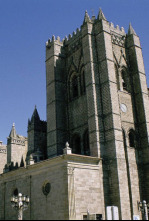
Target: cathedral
(93, 150)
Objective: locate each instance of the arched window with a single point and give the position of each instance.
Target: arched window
(75, 88)
(131, 138)
(77, 85)
(86, 144)
(125, 80)
(76, 144)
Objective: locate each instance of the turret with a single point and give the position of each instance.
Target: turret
(16, 148)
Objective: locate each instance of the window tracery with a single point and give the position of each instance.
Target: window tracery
(122, 76)
(77, 85)
(125, 80)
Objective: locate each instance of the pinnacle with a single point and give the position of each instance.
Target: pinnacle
(13, 131)
(35, 116)
(86, 18)
(101, 15)
(131, 31)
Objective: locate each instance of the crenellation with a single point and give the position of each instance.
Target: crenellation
(112, 25)
(74, 34)
(78, 31)
(72, 37)
(69, 36)
(58, 38)
(122, 29)
(117, 29)
(53, 38)
(66, 38)
(48, 43)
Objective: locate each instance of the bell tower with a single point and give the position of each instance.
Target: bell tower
(97, 99)
(16, 149)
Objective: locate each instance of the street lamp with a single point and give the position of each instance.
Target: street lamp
(20, 203)
(143, 207)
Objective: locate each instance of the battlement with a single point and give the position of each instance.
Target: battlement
(54, 40)
(4, 151)
(68, 38)
(3, 148)
(72, 36)
(78, 33)
(19, 141)
(117, 29)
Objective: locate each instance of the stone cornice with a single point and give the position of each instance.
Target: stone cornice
(63, 160)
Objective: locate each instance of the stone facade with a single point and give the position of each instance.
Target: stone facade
(72, 178)
(16, 150)
(97, 99)
(3, 156)
(100, 72)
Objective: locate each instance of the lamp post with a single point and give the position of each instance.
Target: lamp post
(144, 207)
(20, 203)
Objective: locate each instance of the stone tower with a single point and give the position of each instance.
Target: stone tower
(97, 98)
(37, 139)
(16, 149)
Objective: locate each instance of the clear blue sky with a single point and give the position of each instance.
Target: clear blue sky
(25, 26)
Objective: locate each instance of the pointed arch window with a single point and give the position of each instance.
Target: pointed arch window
(122, 77)
(77, 85)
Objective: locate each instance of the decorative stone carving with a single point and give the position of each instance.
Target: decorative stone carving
(3, 151)
(67, 149)
(31, 160)
(70, 170)
(118, 40)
